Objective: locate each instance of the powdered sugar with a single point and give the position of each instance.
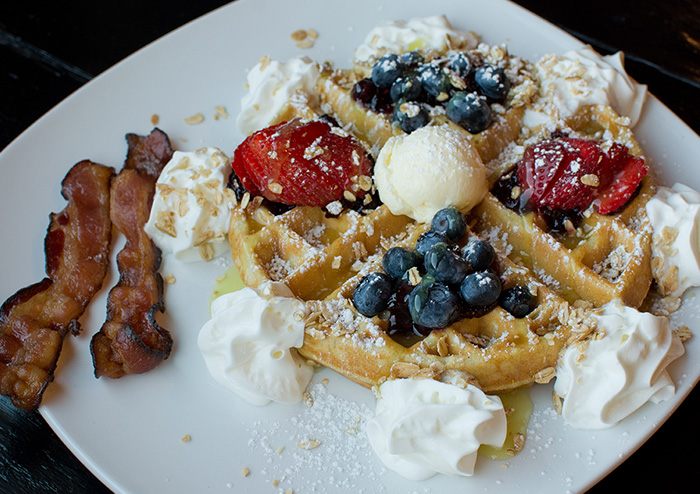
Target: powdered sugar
(336, 428)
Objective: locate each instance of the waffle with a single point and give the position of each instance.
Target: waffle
(321, 258)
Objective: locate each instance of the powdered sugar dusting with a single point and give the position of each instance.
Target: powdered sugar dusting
(336, 428)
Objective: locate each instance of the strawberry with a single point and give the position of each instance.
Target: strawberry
(565, 174)
(303, 163)
(630, 171)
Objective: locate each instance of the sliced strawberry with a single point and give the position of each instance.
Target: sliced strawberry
(566, 173)
(623, 185)
(553, 170)
(303, 163)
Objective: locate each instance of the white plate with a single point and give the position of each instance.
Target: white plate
(128, 431)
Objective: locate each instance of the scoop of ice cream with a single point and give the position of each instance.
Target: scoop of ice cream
(434, 167)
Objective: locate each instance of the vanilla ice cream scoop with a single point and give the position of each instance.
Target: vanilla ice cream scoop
(420, 173)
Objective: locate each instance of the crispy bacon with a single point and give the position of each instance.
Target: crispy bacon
(131, 341)
(35, 320)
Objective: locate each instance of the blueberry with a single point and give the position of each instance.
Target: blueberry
(398, 260)
(469, 111)
(435, 82)
(387, 70)
(372, 294)
(481, 289)
(399, 320)
(367, 94)
(479, 254)
(450, 222)
(492, 82)
(411, 58)
(460, 64)
(518, 301)
(411, 116)
(445, 264)
(427, 240)
(407, 87)
(433, 305)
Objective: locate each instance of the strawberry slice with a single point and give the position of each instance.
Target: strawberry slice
(624, 183)
(565, 174)
(303, 163)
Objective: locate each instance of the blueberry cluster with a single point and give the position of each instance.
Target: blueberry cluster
(408, 86)
(452, 282)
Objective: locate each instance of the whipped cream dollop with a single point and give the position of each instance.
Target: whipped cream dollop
(582, 77)
(423, 427)
(420, 33)
(249, 344)
(674, 214)
(418, 174)
(272, 86)
(191, 208)
(604, 380)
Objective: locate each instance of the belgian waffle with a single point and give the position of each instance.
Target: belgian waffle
(322, 257)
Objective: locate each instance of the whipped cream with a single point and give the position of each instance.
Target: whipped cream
(674, 214)
(423, 427)
(420, 33)
(580, 78)
(272, 86)
(191, 208)
(605, 380)
(433, 167)
(249, 344)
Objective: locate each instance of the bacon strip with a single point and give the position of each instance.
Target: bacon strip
(35, 320)
(131, 341)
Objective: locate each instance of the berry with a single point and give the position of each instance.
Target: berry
(518, 301)
(372, 294)
(400, 320)
(450, 222)
(433, 305)
(371, 97)
(503, 191)
(624, 183)
(470, 111)
(479, 254)
(435, 82)
(411, 116)
(408, 87)
(460, 64)
(427, 240)
(301, 163)
(492, 82)
(481, 289)
(568, 173)
(445, 264)
(397, 260)
(386, 70)
(411, 58)
(553, 171)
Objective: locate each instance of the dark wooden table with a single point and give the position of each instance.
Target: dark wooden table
(50, 49)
